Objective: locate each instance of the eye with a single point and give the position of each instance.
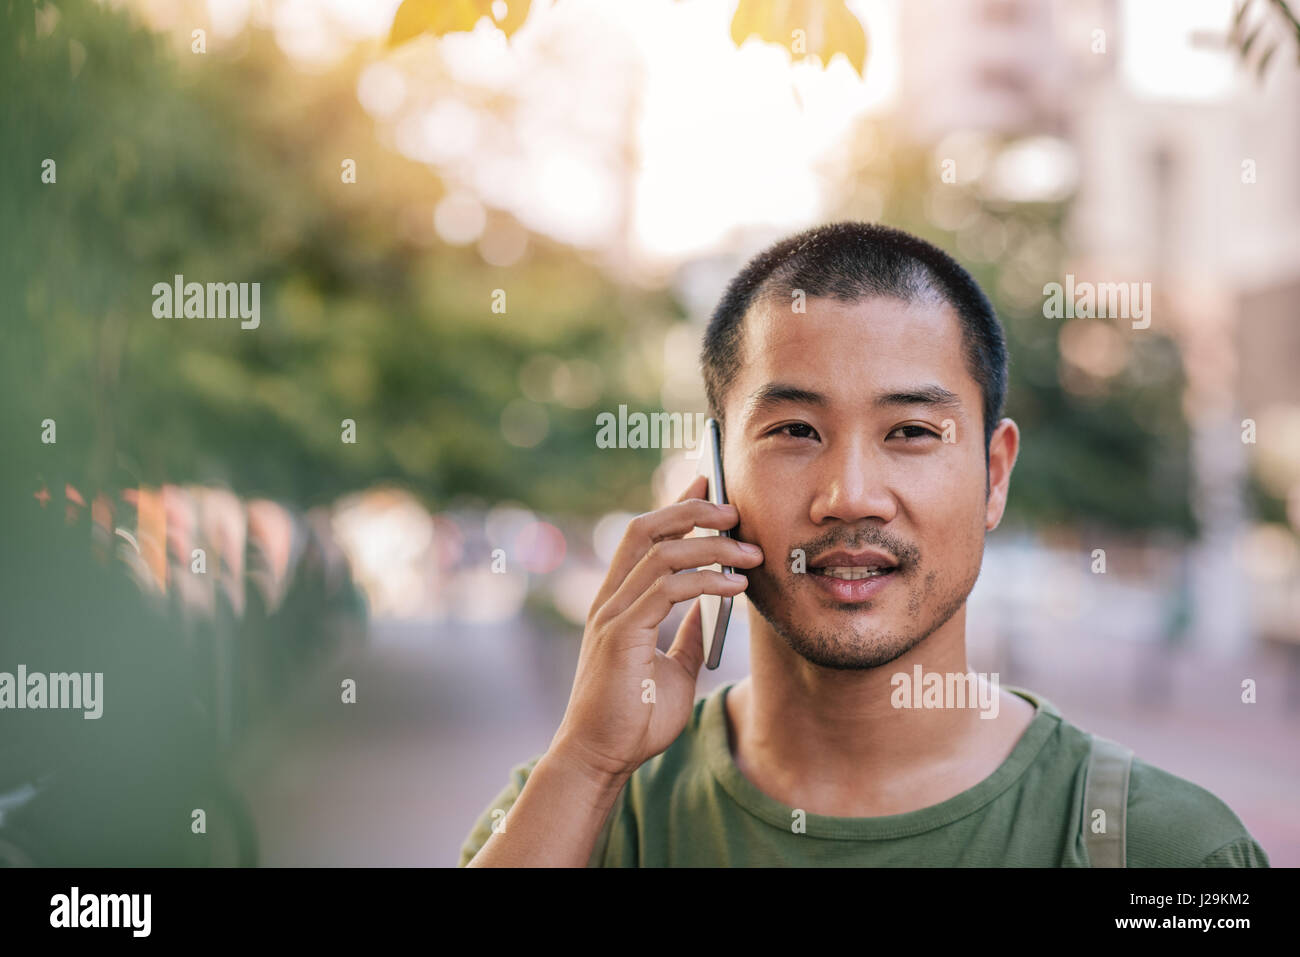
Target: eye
(913, 432)
(806, 430)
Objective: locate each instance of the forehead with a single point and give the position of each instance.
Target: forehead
(855, 349)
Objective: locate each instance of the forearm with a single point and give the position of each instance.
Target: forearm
(556, 820)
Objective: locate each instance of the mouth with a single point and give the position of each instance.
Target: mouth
(853, 576)
(852, 573)
(853, 566)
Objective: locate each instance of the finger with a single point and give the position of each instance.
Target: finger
(649, 611)
(672, 521)
(668, 556)
(698, 488)
(688, 645)
(621, 564)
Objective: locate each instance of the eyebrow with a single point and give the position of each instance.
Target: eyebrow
(775, 394)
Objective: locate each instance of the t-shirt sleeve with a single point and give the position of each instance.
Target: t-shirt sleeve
(1175, 823)
(1244, 852)
(617, 824)
(499, 807)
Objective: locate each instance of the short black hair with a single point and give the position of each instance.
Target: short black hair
(851, 261)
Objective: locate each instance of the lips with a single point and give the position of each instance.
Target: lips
(853, 577)
(852, 592)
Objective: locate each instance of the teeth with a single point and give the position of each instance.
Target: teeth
(851, 573)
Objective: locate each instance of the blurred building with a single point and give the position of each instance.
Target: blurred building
(1185, 180)
(990, 65)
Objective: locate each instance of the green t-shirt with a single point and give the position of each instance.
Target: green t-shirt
(691, 807)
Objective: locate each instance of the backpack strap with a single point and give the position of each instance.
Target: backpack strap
(1106, 789)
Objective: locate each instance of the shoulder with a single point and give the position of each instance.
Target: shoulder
(1175, 823)
(1170, 821)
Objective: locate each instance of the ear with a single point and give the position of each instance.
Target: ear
(1003, 449)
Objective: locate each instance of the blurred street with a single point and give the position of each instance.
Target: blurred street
(443, 713)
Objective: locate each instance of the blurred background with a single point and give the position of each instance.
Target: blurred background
(335, 568)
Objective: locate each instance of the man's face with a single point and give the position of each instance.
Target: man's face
(857, 428)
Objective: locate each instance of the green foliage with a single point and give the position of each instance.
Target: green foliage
(228, 169)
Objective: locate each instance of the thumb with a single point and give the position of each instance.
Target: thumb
(688, 645)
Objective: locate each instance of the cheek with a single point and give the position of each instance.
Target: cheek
(939, 469)
(771, 536)
(948, 506)
(967, 542)
(934, 490)
(962, 480)
(767, 519)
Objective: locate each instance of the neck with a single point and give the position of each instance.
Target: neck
(835, 739)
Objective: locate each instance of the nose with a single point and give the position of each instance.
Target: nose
(852, 484)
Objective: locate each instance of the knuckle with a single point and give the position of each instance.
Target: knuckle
(663, 587)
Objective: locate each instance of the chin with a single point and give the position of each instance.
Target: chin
(827, 637)
(838, 653)
(838, 636)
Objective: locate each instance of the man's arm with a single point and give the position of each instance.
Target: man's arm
(555, 820)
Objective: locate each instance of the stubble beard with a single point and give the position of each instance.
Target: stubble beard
(859, 643)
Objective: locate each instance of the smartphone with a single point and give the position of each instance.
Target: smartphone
(715, 610)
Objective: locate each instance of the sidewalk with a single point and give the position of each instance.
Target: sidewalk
(442, 715)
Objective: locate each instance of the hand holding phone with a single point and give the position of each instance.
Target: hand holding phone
(630, 700)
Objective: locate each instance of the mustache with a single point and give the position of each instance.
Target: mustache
(906, 554)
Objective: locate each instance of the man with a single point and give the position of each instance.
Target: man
(859, 376)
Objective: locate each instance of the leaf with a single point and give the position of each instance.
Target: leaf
(1249, 42)
(763, 17)
(440, 17)
(415, 17)
(1237, 20)
(1263, 61)
(516, 14)
(844, 34)
(828, 27)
